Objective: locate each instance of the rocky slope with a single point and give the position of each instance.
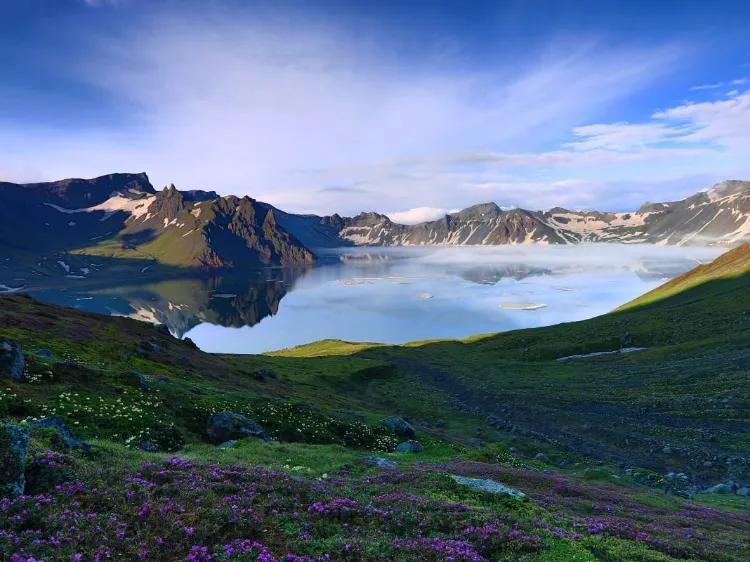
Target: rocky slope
(122, 217)
(67, 227)
(720, 215)
(222, 232)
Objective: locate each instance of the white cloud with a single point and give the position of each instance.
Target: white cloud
(714, 86)
(311, 118)
(419, 214)
(718, 85)
(623, 136)
(240, 104)
(725, 123)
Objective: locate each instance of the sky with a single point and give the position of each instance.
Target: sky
(413, 109)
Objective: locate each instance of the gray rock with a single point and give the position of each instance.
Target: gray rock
(12, 361)
(42, 353)
(679, 484)
(143, 381)
(226, 426)
(148, 446)
(149, 347)
(14, 445)
(410, 446)
(379, 462)
(399, 427)
(721, 488)
(65, 435)
(667, 450)
(541, 457)
(228, 444)
(440, 423)
(487, 485)
(744, 491)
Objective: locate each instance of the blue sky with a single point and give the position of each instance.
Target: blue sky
(409, 108)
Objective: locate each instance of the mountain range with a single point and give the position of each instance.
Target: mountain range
(720, 215)
(122, 219)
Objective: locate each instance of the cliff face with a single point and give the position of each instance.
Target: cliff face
(122, 216)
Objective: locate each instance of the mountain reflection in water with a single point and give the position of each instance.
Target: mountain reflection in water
(389, 295)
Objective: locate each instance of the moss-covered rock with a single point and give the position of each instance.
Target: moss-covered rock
(12, 361)
(14, 444)
(226, 426)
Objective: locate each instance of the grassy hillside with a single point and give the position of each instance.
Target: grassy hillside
(726, 273)
(589, 440)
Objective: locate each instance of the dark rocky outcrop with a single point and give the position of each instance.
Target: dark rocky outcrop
(379, 462)
(410, 446)
(148, 446)
(73, 371)
(64, 435)
(12, 361)
(14, 443)
(399, 427)
(228, 426)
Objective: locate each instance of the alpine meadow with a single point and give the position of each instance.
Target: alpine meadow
(427, 281)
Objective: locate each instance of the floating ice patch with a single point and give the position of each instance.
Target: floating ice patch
(424, 296)
(7, 289)
(522, 305)
(600, 353)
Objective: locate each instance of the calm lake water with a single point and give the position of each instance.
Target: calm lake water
(394, 295)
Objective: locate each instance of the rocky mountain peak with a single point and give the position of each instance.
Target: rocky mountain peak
(480, 211)
(727, 188)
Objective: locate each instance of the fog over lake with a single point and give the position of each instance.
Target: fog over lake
(393, 295)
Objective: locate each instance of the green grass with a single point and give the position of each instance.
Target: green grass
(485, 405)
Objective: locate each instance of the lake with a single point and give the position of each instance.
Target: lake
(392, 295)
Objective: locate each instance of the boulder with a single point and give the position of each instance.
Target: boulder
(226, 426)
(488, 486)
(12, 361)
(14, 445)
(148, 446)
(679, 484)
(143, 381)
(409, 446)
(541, 457)
(721, 488)
(64, 434)
(399, 427)
(73, 371)
(42, 353)
(149, 347)
(379, 462)
(189, 343)
(744, 491)
(228, 444)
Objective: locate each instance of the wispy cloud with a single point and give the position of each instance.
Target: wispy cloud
(222, 100)
(418, 214)
(307, 116)
(100, 3)
(718, 85)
